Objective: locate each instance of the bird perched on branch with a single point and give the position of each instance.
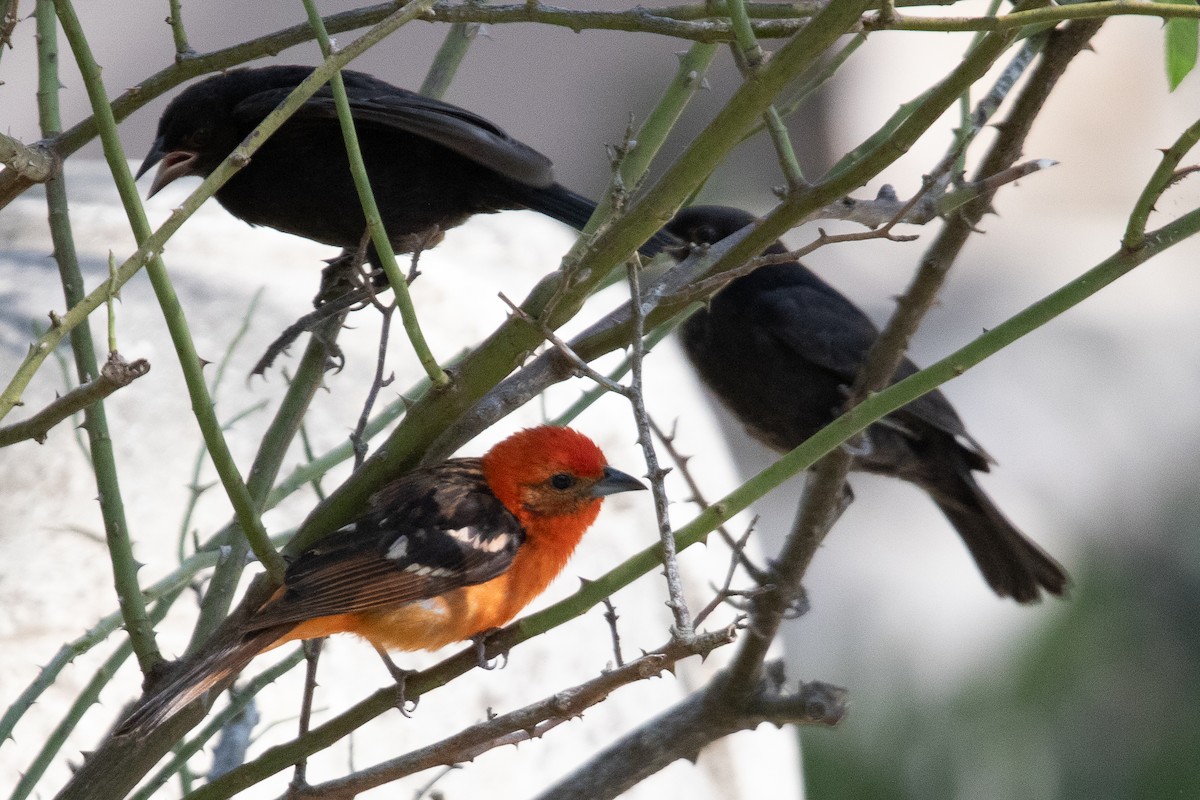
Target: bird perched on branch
(431, 165)
(779, 348)
(439, 555)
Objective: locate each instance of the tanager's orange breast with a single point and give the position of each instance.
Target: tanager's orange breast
(455, 615)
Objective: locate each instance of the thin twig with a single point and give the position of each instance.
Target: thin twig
(581, 366)
(737, 558)
(610, 616)
(681, 464)
(358, 437)
(312, 656)
(676, 602)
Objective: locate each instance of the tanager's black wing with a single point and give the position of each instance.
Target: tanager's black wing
(433, 530)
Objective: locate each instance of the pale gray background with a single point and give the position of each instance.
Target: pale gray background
(1093, 419)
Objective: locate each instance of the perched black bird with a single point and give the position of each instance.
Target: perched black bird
(779, 347)
(432, 165)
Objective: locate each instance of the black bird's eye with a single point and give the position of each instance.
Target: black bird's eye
(562, 481)
(199, 139)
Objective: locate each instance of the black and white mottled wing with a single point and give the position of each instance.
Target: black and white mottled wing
(423, 535)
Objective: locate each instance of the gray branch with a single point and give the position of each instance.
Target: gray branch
(526, 723)
(686, 729)
(115, 374)
(34, 162)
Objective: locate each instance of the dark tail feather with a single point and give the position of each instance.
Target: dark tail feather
(215, 669)
(560, 203)
(1011, 564)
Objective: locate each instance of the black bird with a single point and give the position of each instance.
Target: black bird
(779, 347)
(432, 165)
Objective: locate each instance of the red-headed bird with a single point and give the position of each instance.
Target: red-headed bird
(439, 555)
(779, 347)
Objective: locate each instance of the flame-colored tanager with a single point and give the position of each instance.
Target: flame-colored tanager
(439, 555)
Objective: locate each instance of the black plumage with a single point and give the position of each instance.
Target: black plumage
(431, 164)
(779, 347)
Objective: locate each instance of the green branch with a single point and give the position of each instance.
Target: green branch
(1048, 16)
(1163, 178)
(634, 163)
(104, 466)
(189, 361)
(362, 184)
(449, 56)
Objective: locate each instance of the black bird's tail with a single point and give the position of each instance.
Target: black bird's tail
(558, 202)
(211, 670)
(1011, 564)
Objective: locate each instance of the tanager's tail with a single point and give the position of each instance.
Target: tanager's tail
(211, 670)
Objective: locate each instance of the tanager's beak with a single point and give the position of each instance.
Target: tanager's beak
(614, 482)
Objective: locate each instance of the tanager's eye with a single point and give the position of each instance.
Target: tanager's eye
(562, 481)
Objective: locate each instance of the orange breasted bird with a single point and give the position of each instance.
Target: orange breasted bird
(439, 555)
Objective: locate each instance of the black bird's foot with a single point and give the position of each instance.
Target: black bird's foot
(480, 640)
(309, 323)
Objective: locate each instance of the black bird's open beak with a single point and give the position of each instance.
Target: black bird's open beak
(175, 164)
(614, 482)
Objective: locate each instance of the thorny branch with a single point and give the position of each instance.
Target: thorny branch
(32, 162)
(681, 464)
(726, 593)
(676, 602)
(527, 723)
(115, 374)
(312, 657)
(690, 726)
(693, 279)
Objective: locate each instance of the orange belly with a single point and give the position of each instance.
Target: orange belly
(438, 621)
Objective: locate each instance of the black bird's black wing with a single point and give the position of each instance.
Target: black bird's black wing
(429, 532)
(375, 103)
(818, 324)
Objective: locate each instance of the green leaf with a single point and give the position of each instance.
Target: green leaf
(1181, 39)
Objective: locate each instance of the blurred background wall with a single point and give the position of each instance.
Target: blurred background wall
(1093, 418)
